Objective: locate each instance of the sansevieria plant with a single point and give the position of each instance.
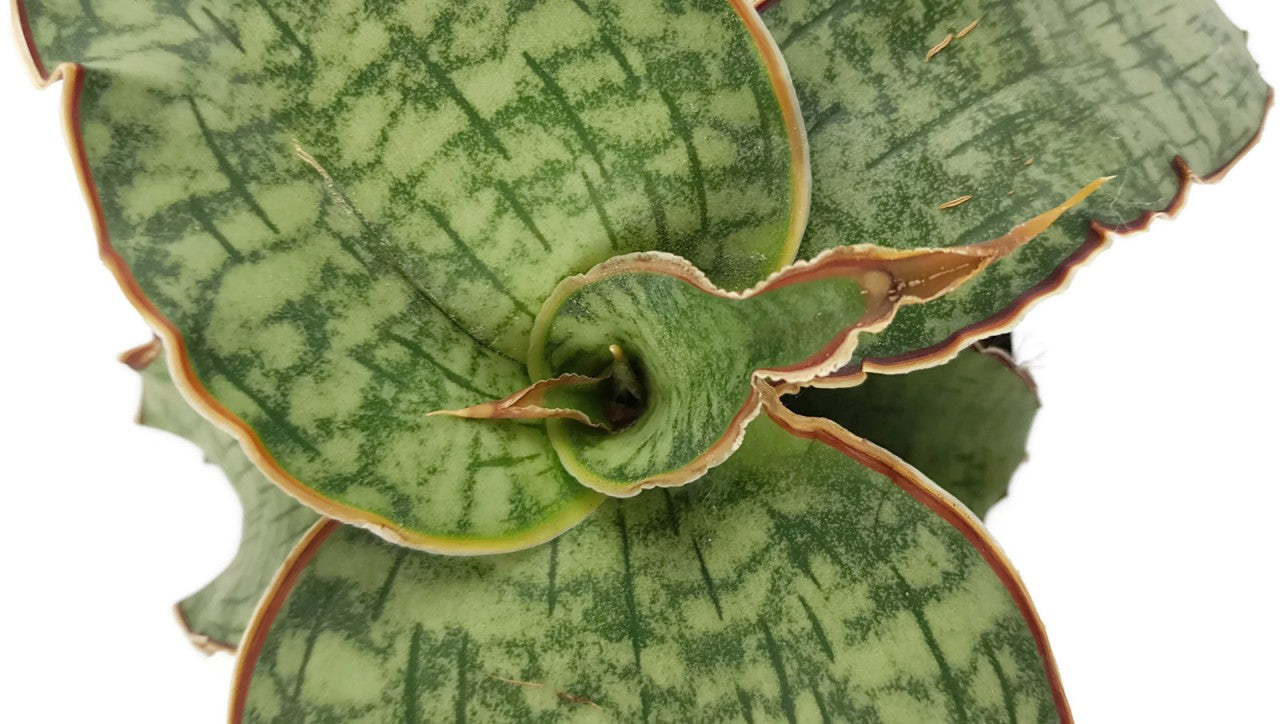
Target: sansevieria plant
(556, 348)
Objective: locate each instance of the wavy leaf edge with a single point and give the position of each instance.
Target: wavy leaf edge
(902, 287)
(862, 451)
(1100, 236)
(179, 360)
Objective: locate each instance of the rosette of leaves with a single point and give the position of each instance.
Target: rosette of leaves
(619, 233)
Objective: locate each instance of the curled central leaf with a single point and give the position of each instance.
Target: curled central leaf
(700, 352)
(344, 216)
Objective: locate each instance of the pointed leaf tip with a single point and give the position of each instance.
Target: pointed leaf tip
(434, 316)
(699, 348)
(534, 403)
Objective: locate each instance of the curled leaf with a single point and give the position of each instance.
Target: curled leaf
(343, 217)
(699, 349)
(1161, 94)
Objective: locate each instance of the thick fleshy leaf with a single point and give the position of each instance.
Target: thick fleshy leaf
(794, 584)
(1038, 96)
(699, 349)
(216, 615)
(963, 424)
(344, 216)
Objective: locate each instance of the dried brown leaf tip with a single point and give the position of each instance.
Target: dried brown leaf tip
(953, 203)
(140, 357)
(532, 403)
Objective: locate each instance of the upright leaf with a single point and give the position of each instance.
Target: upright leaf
(963, 424)
(793, 584)
(344, 216)
(1038, 96)
(215, 616)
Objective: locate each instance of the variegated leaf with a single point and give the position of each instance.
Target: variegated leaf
(963, 424)
(344, 216)
(803, 580)
(1035, 98)
(215, 616)
(698, 350)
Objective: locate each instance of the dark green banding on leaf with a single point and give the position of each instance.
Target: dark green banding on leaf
(1157, 92)
(963, 424)
(285, 210)
(821, 635)
(698, 349)
(411, 677)
(910, 599)
(215, 616)
(706, 577)
(630, 592)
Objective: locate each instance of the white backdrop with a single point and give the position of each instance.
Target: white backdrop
(1143, 523)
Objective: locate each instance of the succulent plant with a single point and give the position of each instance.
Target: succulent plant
(556, 349)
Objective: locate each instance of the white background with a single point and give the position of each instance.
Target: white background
(1144, 522)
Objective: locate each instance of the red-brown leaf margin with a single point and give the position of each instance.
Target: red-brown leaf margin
(183, 371)
(72, 74)
(1099, 238)
(821, 430)
(269, 607)
(942, 504)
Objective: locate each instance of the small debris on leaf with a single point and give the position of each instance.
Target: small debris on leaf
(939, 47)
(955, 202)
(577, 699)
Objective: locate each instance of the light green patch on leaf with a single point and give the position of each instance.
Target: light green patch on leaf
(792, 584)
(697, 353)
(350, 212)
(216, 615)
(963, 424)
(1079, 88)
(700, 352)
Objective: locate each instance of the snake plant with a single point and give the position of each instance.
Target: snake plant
(556, 348)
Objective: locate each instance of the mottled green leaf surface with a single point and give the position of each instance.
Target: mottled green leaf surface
(792, 584)
(963, 424)
(351, 212)
(698, 348)
(697, 352)
(216, 615)
(1086, 88)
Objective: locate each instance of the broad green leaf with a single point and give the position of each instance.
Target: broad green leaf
(793, 584)
(963, 424)
(216, 615)
(344, 216)
(1039, 96)
(699, 350)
